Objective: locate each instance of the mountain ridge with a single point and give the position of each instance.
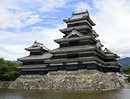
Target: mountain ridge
(124, 61)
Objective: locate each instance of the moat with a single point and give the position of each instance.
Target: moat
(56, 94)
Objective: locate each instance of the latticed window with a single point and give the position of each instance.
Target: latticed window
(72, 56)
(79, 24)
(74, 43)
(35, 53)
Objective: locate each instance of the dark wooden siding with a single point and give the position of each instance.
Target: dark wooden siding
(74, 54)
(84, 33)
(36, 53)
(76, 43)
(111, 60)
(41, 72)
(33, 62)
(79, 24)
(88, 66)
(111, 69)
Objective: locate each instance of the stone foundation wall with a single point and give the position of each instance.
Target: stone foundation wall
(5, 84)
(70, 80)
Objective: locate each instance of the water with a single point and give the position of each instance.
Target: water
(55, 94)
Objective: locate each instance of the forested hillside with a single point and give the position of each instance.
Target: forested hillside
(125, 61)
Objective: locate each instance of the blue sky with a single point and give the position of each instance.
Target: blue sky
(24, 21)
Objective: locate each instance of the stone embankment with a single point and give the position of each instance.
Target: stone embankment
(70, 80)
(5, 84)
(128, 85)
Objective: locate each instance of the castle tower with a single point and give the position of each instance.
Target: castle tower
(80, 48)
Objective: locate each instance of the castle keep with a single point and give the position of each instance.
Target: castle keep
(79, 49)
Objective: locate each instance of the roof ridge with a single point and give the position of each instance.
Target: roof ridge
(80, 13)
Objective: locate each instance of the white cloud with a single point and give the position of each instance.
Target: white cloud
(51, 4)
(112, 23)
(12, 45)
(14, 16)
(45, 5)
(12, 52)
(21, 13)
(81, 6)
(33, 19)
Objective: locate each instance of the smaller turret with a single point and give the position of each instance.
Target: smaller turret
(34, 63)
(37, 46)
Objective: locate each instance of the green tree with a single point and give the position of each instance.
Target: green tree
(126, 69)
(8, 70)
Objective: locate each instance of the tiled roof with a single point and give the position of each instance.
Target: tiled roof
(78, 16)
(73, 48)
(77, 38)
(109, 53)
(36, 57)
(77, 28)
(36, 46)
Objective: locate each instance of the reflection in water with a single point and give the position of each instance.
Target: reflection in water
(55, 94)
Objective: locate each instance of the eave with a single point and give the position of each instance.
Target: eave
(113, 55)
(114, 63)
(79, 19)
(74, 39)
(77, 28)
(35, 57)
(72, 49)
(33, 49)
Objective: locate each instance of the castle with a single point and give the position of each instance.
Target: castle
(79, 49)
